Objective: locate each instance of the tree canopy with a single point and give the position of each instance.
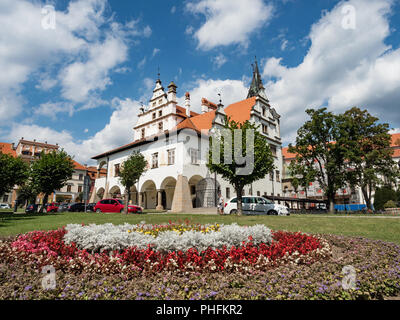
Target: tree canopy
(130, 172)
(240, 154)
(13, 171)
(51, 172)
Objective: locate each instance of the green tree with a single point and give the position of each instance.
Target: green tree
(318, 153)
(51, 172)
(383, 195)
(27, 192)
(226, 158)
(131, 170)
(367, 151)
(13, 171)
(301, 176)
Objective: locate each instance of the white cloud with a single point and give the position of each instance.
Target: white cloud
(79, 54)
(114, 134)
(229, 21)
(173, 9)
(142, 63)
(155, 52)
(230, 90)
(342, 68)
(219, 60)
(50, 109)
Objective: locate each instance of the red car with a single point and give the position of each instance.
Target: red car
(115, 205)
(52, 207)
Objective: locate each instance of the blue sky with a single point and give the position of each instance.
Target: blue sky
(80, 83)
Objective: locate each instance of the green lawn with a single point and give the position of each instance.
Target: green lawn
(387, 229)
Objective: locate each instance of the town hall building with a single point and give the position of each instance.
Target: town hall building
(174, 140)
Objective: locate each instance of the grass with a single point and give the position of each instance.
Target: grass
(386, 229)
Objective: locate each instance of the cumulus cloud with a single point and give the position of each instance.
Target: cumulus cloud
(343, 67)
(228, 21)
(79, 55)
(230, 90)
(219, 60)
(118, 131)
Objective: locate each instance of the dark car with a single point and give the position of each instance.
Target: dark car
(90, 207)
(76, 207)
(63, 207)
(31, 208)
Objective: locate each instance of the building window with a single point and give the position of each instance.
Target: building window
(69, 187)
(81, 177)
(160, 101)
(264, 111)
(160, 113)
(228, 193)
(194, 156)
(154, 115)
(171, 157)
(273, 149)
(160, 126)
(154, 104)
(271, 176)
(265, 129)
(258, 193)
(116, 170)
(143, 133)
(278, 176)
(155, 160)
(79, 189)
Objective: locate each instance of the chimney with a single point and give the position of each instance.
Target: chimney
(204, 105)
(172, 92)
(187, 104)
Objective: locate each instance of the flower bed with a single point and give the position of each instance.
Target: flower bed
(118, 249)
(377, 264)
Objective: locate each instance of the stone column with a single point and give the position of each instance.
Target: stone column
(159, 200)
(140, 195)
(182, 202)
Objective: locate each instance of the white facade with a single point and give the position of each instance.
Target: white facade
(174, 141)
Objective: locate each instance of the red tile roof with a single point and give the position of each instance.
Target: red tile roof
(240, 111)
(7, 148)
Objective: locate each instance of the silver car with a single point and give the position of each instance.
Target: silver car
(4, 206)
(256, 206)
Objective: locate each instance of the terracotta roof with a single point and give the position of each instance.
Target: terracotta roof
(240, 111)
(39, 144)
(395, 140)
(287, 155)
(78, 166)
(7, 148)
(204, 121)
(182, 111)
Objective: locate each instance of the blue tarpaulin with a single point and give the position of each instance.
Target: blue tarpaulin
(350, 207)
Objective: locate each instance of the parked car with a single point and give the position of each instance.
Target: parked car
(90, 207)
(256, 206)
(115, 205)
(52, 207)
(4, 206)
(63, 207)
(76, 207)
(31, 208)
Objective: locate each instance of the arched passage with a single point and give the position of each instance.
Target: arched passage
(193, 181)
(167, 190)
(149, 195)
(115, 192)
(99, 194)
(134, 195)
(206, 193)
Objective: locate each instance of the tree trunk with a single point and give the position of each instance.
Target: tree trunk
(127, 199)
(367, 197)
(44, 202)
(239, 201)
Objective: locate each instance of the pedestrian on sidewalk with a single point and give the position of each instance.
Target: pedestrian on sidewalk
(221, 203)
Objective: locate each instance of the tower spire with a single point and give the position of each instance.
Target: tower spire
(256, 84)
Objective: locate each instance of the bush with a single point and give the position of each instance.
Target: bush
(390, 204)
(382, 196)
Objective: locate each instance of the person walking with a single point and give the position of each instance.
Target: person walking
(221, 203)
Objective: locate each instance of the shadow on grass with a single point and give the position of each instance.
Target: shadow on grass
(10, 217)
